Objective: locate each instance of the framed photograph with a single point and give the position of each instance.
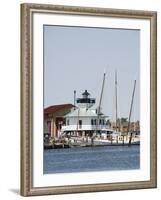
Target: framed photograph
(88, 99)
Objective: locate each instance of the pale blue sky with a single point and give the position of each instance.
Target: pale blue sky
(76, 57)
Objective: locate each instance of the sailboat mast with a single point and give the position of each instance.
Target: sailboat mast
(132, 100)
(100, 102)
(116, 97)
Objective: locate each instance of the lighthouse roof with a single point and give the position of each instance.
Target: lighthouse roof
(82, 112)
(85, 93)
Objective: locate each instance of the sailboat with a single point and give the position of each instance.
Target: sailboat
(86, 124)
(118, 137)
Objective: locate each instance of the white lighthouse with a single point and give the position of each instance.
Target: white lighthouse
(84, 119)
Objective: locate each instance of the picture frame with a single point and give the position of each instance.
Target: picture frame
(28, 93)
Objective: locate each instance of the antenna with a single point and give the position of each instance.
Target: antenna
(74, 98)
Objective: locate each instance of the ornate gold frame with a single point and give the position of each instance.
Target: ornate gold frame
(27, 11)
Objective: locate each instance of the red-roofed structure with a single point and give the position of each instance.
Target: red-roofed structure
(54, 118)
(57, 108)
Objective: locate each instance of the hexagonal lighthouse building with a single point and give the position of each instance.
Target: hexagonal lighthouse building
(84, 119)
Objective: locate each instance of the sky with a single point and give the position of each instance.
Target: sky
(75, 58)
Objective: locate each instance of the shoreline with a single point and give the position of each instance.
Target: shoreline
(61, 146)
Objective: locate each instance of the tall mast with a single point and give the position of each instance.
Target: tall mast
(132, 100)
(100, 102)
(116, 97)
(99, 106)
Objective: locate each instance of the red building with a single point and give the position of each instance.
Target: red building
(54, 118)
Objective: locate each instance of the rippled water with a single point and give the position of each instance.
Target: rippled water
(86, 159)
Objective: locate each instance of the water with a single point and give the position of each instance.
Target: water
(88, 159)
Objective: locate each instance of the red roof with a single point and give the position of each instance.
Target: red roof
(57, 108)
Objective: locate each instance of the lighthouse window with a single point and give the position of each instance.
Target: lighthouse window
(93, 121)
(80, 123)
(67, 121)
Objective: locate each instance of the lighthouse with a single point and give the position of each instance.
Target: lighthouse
(83, 119)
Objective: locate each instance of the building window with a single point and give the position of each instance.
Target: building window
(80, 124)
(101, 122)
(93, 121)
